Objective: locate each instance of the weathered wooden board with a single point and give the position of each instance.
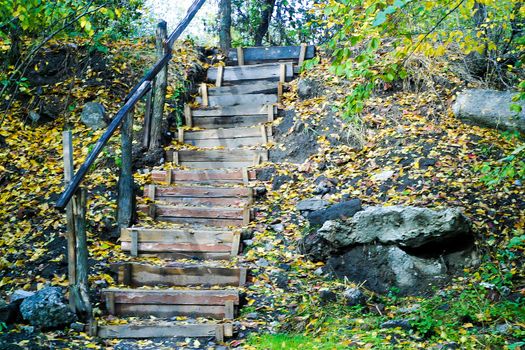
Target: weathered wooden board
(203, 176)
(224, 133)
(266, 71)
(200, 191)
(259, 87)
(268, 54)
(173, 297)
(168, 311)
(236, 100)
(230, 121)
(228, 143)
(149, 275)
(189, 235)
(178, 247)
(243, 110)
(161, 331)
(230, 155)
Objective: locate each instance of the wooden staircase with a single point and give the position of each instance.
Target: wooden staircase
(207, 199)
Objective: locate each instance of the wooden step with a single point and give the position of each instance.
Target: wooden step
(205, 243)
(211, 216)
(164, 330)
(230, 117)
(235, 100)
(216, 159)
(138, 275)
(253, 55)
(229, 138)
(266, 71)
(200, 195)
(218, 304)
(258, 87)
(222, 176)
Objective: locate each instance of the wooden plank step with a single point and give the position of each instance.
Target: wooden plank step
(222, 176)
(231, 116)
(216, 159)
(130, 331)
(217, 304)
(259, 87)
(181, 243)
(230, 137)
(211, 216)
(138, 275)
(200, 195)
(235, 100)
(266, 71)
(254, 55)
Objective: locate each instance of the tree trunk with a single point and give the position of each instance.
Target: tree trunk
(159, 89)
(225, 18)
(266, 17)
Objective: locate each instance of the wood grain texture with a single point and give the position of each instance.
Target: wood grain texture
(236, 100)
(270, 54)
(266, 71)
(202, 176)
(160, 331)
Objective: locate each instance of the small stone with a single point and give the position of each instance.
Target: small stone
(262, 262)
(277, 227)
(448, 346)
(260, 191)
(319, 271)
(326, 296)
(354, 297)
(285, 267)
(403, 324)
(27, 329)
(93, 115)
(34, 116)
(248, 242)
(252, 316)
(517, 183)
(409, 309)
(47, 309)
(503, 328)
(77, 326)
(280, 279)
(383, 176)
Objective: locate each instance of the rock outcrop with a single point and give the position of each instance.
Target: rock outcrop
(405, 248)
(47, 309)
(490, 108)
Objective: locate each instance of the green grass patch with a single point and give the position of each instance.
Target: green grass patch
(292, 341)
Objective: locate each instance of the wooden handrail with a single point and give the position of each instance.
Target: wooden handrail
(130, 101)
(99, 146)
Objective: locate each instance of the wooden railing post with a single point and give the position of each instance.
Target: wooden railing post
(159, 87)
(81, 287)
(71, 237)
(125, 184)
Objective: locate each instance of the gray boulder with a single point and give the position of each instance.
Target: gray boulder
(490, 108)
(312, 204)
(94, 116)
(47, 309)
(404, 226)
(343, 210)
(19, 295)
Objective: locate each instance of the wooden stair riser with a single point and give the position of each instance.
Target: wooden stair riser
(159, 331)
(207, 196)
(223, 176)
(167, 303)
(230, 117)
(235, 100)
(218, 159)
(229, 138)
(183, 244)
(138, 275)
(211, 216)
(262, 87)
(268, 71)
(257, 55)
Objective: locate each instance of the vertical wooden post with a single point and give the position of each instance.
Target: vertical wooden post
(71, 237)
(240, 56)
(125, 183)
(204, 94)
(81, 288)
(147, 119)
(302, 55)
(159, 88)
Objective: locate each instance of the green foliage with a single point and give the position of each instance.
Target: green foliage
(510, 168)
(372, 40)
